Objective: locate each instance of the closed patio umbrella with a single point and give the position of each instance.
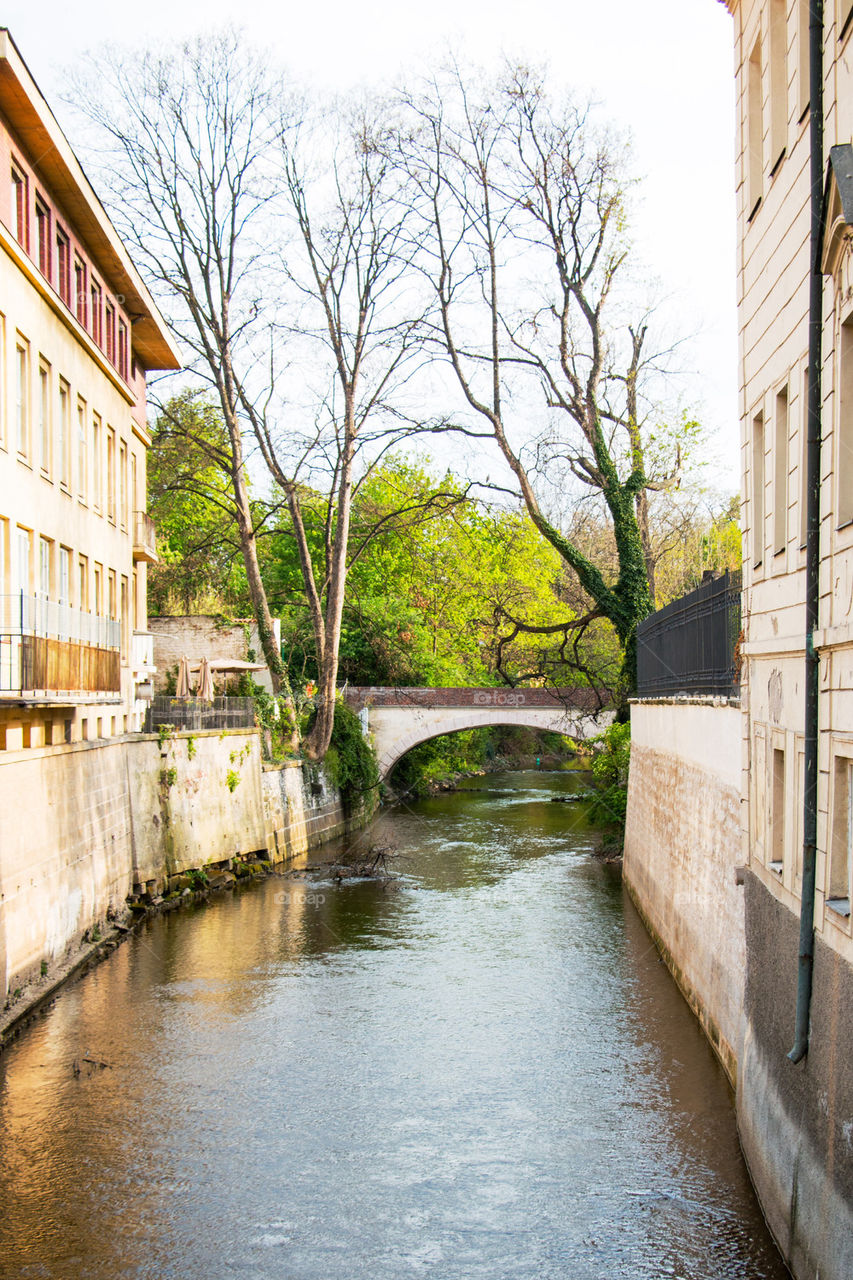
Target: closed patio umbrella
(205, 682)
(182, 688)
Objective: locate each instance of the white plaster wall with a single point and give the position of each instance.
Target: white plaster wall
(682, 844)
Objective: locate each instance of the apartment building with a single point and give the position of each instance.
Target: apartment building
(78, 334)
(794, 1110)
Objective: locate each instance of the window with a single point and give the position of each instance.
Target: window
(110, 332)
(44, 238)
(804, 70)
(97, 463)
(82, 451)
(758, 489)
(64, 586)
(844, 12)
(22, 396)
(133, 500)
(24, 560)
(2, 381)
(45, 424)
(20, 206)
(844, 453)
(841, 852)
(804, 460)
(778, 81)
(83, 583)
(80, 290)
(122, 350)
(125, 618)
(754, 130)
(111, 474)
(780, 473)
(134, 596)
(122, 482)
(63, 266)
(63, 439)
(99, 582)
(777, 810)
(95, 299)
(112, 602)
(45, 557)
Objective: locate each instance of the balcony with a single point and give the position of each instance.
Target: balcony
(49, 651)
(144, 538)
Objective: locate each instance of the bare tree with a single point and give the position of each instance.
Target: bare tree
(185, 144)
(526, 208)
(356, 333)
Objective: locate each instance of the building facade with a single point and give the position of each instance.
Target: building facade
(795, 1118)
(78, 334)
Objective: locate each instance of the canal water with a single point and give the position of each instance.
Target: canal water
(480, 1072)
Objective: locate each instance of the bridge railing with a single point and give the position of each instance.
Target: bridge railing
(580, 699)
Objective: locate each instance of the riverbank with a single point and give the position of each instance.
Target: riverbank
(114, 825)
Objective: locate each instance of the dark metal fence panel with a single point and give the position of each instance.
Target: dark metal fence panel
(689, 646)
(192, 713)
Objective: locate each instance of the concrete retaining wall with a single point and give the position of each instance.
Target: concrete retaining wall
(682, 844)
(87, 824)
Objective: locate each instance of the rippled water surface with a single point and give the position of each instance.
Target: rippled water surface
(482, 1072)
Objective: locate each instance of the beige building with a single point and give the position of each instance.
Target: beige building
(771, 41)
(78, 334)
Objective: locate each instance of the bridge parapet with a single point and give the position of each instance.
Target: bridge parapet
(581, 699)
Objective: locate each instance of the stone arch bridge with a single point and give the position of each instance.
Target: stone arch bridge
(398, 719)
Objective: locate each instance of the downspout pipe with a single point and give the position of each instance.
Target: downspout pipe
(812, 661)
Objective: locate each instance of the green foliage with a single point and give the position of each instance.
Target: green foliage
(44, 968)
(471, 751)
(610, 761)
(429, 596)
(198, 879)
(350, 762)
(190, 500)
(192, 748)
(164, 734)
(232, 780)
(168, 777)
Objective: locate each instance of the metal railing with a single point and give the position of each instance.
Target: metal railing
(50, 647)
(192, 713)
(689, 647)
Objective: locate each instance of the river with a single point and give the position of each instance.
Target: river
(479, 1072)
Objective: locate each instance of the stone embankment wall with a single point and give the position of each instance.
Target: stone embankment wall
(732, 947)
(682, 847)
(87, 825)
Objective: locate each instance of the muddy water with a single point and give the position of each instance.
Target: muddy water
(483, 1071)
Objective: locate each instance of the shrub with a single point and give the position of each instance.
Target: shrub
(350, 762)
(610, 761)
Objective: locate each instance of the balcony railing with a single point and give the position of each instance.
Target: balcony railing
(47, 647)
(144, 538)
(689, 647)
(192, 713)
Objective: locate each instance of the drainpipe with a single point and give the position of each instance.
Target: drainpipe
(812, 665)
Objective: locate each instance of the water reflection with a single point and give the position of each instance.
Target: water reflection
(483, 1071)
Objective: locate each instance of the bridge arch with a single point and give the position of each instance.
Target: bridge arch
(399, 719)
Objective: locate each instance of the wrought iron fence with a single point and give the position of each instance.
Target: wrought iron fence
(193, 713)
(689, 647)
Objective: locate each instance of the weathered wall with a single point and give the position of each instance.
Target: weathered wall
(198, 636)
(682, 843)
(300, 814)
(87, 824)
(796, 1122)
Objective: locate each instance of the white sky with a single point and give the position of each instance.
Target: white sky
(662, 68)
